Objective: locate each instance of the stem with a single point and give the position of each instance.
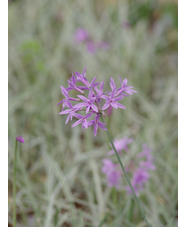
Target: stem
(131, 210)
(14, 185)
(128, 180)
(114, 196)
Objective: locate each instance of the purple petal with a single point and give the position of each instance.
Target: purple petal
(97, 117)
(106, 97)
(90, 94)
(83, 87)
(65, 112)
(85, 124)
(124, 83)
(79, 116)
(68, 103)
(84, 72)
(94, 107)
(80, 105)
(112, 83)
(121, 106)
(64, 91)
(102, 125)
(85, 81)
(96, 84)
(92, 82)
(92, 122)
(105, 106)
(77, 123)
(83, 98)
(78, 75)
(73, 99)
(101, 86)
(88, 108)
(95, 129)
(119, 98)
(114, 105)
(88, 115)
(113, 93)
(67, 120)
(73, 79)
(78, 89)
(59, 103)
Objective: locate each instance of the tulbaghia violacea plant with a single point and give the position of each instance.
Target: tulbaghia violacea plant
(88, 106)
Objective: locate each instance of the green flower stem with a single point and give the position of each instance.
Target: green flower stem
(14, 185)
(128, 180)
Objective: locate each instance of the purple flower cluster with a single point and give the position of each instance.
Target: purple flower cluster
(82, 36)
(140, 172)
(91, 100)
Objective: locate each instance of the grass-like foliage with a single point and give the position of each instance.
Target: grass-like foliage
(60, 177)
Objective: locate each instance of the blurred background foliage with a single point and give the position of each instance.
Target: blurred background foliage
(59, 169)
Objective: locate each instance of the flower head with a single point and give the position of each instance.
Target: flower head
(91, 99)
(20, 139)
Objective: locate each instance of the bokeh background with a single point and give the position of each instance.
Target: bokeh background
(59, 178)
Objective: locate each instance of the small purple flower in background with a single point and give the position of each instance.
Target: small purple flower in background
(91, 47)
(140, 172)
(20, 139)
(81, 35)
(90, 99)
(121, 144)
(112, 172)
